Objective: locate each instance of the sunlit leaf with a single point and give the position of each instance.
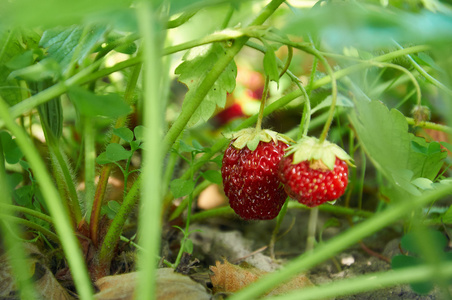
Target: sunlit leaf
(196, 65)
(67, 44)
(13, 44)
(341, 101)
(384, 136)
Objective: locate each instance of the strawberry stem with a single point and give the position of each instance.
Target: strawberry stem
(312, 224)
(330, 72)
(275, 232)
(262, 107)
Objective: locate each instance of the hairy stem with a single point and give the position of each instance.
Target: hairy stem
(260, 116)
(62, 226)
(106, 169)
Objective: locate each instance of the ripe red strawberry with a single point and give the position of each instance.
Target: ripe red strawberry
(314, 173)
(250, 177)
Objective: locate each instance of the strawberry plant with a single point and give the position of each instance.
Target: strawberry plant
(119, 118)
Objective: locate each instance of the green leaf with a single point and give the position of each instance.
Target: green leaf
(426, 159)
(13, 43)
(340, 101)
(196, 148)
(21, 60)
(116, 152)
(14, 179)
(134, 145)
(423, 183)
(425, 59)
(181, 187)
(188, 246)
(62, 43)
(111, 209)
(271, 66)
(24, 164)
(185, 148)
(12, 152)
(218, 160)
(23, 195)
(402, 261)
(114, 206)
(447, 216)
(125, 133)
(102, 159)
(46, 69)
(384, 136)
(410, 241)
(92, 105)
(127, 48)
(213, 176)
(139, 132)
(192, 71)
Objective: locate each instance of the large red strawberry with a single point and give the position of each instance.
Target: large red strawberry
(314, 172)
(250, 174)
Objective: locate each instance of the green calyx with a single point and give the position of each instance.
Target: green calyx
(319, 154)
(250, 137)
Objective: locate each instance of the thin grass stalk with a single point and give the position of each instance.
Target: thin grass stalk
(368, 282)
(14, 248)
(149, 226)
(57, 212)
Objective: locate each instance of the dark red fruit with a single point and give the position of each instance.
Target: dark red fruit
(313, 185)
(251, 182)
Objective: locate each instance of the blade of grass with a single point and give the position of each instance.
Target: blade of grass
(368, 282)
(52, 236)
(14, 208)
(149, 225)
(15, 251)
(340, 242)
(62, 226)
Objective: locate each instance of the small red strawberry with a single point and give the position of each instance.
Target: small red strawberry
(313, 172)
(250, 174)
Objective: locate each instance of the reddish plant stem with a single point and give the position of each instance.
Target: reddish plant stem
(106, 169)
(373, 253)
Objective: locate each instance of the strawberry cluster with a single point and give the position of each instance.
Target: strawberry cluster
(260, 170)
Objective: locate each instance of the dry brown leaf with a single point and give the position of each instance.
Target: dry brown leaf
(44, 281)
(170, 286)
(117, 287)
(229, 278)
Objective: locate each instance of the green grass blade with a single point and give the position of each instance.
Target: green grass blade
(62, 226)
